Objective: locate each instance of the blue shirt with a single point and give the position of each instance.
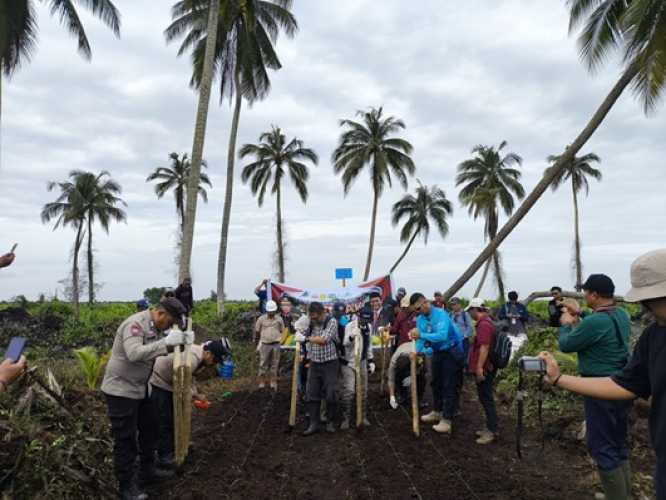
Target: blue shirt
(463, 321)
(262, 295)
(437, 329)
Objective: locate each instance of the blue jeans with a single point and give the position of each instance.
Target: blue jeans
(607, 431)
(447, 370)
(660, 478)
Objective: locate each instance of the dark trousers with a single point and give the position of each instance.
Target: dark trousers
(322, 379)
(402, 372)
(486, 392)
(660, 477)
(447, 370)
(163, 402)
(606, 423)
(129, 417)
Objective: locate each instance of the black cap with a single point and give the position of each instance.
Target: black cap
(176, 309)
(220, 349)
(365, 314)
(601, 284)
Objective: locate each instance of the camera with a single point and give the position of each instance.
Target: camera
(532, 364)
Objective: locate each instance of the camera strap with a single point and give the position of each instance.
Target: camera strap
(521, 396)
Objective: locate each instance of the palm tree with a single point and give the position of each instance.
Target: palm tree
(430, 203)
(274, 158)
(248, 30)
(176, 178)
(372, 144)
(18, 29)
(99, 204)
(490, 181)
(207, 16)
(634, 28)
(67, 210)
(577, 171)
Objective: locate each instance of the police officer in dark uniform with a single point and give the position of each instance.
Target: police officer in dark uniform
(137, 344)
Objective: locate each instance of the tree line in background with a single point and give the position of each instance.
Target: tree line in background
(233, 42)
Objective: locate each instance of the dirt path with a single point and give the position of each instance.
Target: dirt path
(241, 451)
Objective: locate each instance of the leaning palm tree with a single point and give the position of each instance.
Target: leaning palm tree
(244, 52)
(430, 203)
(371, 143)
(490, 180)
(18, 29)
(577, 171)
(636, 30)
(100, 202)
(67, 210)
(176, 177)
(275, 158)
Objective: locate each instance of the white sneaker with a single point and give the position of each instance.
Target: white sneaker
(431, 418)
(486, 438)
(262, 385)
(443, 427)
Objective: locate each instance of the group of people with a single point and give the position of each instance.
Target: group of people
(438, 335)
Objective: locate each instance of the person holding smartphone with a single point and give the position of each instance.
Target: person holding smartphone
(10, 370)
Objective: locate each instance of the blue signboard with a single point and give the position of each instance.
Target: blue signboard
(344, 273)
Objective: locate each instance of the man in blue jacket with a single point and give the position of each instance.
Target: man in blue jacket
(514, 315)
(436, 335)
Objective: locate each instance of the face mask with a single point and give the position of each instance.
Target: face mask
(344, 321)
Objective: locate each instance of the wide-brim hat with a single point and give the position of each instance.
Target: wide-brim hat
(648, 277)
(476, 303)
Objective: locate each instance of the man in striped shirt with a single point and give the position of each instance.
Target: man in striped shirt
(322, 339)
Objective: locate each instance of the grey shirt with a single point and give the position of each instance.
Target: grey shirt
(135, 347)
(403, 349)
(162, 376)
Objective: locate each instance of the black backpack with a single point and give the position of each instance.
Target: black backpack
(500, 351)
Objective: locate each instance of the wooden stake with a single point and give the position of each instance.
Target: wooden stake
(416, 425)
(294, 385)
(383, 373)
(358, 343)
(182, 399)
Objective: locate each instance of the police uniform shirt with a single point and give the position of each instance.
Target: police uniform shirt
(135, 347)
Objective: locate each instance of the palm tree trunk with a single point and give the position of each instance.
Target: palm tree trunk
(483, 278)
(75, 270)
(226, 215)
(409, 245)
(371, 245)
(91, 281)
(498, 277)
(280, 248)
(198, 142)
(547, 180)
(579, 263)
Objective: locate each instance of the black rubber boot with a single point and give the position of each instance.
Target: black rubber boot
(166, 462)
(330, 410)
(614, 484)
(313, 428)
(130, 491)
(150, 474)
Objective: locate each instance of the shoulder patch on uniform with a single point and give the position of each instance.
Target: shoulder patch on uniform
(136, 330)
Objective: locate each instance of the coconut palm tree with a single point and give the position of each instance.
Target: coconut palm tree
(636, 30)
(175, 177)
(67, 210)
(207, 17)
(372, 143)
(18, 29)
(274, 159)
(577, 171)
(100, 198)
(429, 204)
(244, 52)
(490, 180)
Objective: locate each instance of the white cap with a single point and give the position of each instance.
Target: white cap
(271, 306)
(476, 303)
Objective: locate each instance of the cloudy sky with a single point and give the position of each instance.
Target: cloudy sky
(479, 74)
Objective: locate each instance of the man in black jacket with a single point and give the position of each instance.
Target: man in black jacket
(555, 307)
(185, 295)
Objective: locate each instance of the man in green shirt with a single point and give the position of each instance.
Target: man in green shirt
(601, 340)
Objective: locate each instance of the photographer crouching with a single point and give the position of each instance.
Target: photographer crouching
(601, 340)
(644, 375)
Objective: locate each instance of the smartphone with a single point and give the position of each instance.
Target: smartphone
(13, 248)
(15, 349)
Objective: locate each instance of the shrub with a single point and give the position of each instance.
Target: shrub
(92, 365)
